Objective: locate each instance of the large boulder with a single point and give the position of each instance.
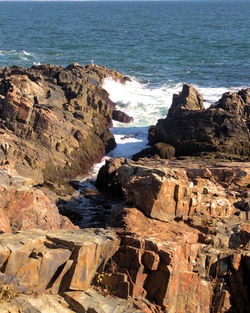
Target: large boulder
(53, 120)
(222, 129)
(189, 99)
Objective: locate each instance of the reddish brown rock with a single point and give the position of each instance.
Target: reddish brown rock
(171, 264)
(36, 261)
(184, 240)
(29, 209)
(166, 190)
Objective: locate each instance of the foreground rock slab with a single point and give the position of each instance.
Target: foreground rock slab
(39, 304)
(38, 261)
(74, 301)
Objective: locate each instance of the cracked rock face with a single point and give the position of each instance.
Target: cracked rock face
(38, 261)
(53, 120)
(166, 190)
(184, 233)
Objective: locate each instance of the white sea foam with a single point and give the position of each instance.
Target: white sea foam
(212, 95)
(23, 55)
(27, 53)
(143, 103)
(146, 105)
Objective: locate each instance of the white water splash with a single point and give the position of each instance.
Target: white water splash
(146, 105)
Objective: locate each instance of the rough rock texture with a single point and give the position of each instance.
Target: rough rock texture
(184, 233)
(54, 120)
(38, 261)
(167, 190)
(173, 265)
(29, 209)
(53, 127)
(81, 302)
(92, 301)
(36, 304)
(23, 207)
(223, 128)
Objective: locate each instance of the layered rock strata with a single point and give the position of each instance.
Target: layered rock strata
(184, 233)
(53, 127)
(223, 130)
(181, 237)
(53, 120)
(38, 261)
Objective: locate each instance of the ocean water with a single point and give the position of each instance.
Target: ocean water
(160, 45)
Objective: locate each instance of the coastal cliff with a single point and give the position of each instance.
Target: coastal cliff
(176, 236)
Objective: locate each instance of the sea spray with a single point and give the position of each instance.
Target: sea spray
(144, 103)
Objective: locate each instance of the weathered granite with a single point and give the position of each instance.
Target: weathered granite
(92, 301)
(36, 304)
(72, 301)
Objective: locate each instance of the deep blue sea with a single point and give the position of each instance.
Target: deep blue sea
(159, 44)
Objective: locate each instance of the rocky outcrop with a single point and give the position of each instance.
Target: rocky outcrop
(167, 190)
(53, 120)
(53, 127)
(175, 266)
(38, 261)
(184, 233)
(29, 209)
(24, 207)
(181, 237)
(221, 130)
(37, 266)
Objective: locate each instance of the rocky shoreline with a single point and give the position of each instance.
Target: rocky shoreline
(170, 228)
